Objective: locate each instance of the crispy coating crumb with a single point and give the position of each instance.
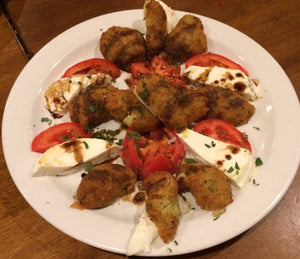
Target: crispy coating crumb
(123, 46)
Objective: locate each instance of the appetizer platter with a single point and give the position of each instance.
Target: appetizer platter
(149, 132)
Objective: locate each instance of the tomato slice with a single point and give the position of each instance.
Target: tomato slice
(58, 134)
(92, 66)
(223, 131)
(130, 152)
(211, 59)
(140, 68)
(148, 155)
(159, 66)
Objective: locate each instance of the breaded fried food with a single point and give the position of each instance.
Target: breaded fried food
(210, 186)
(174, 107)
(185, 40)
(227, 105)
(104, 184)
(156, 27)
(123, 46)
(88, 108)
(162, 204)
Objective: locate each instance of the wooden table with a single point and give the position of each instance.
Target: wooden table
(273, 24)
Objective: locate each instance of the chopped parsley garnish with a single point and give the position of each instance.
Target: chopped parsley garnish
(175, 242)
(190, 160)
(230, 170)
(257, 128)
(89, 76)
(144, 94)
(85, 144)
(254, 182)
(65, 137)
(89, 167)
(237, 166)
(46, 119)
(258, 161)
(92, 108)
(216, 218)
(107, 134)
(79, 83)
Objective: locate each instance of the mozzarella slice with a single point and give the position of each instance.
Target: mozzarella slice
(232, 79)
(60, 93)
(144, 234)
(237, 163)
(74, 155)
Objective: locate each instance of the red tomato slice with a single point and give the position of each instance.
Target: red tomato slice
(223, 131)
(58, 134)
(93, 65)
(211, 59)
(140, 68)
(130, 152)
(148, 155)
(159, 66)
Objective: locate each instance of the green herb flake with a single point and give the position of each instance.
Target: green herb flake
(213, 144)
(208, 146)
(258, 161)
(254, 182)
(144, 94)
(257, 128)
(170, 250)
(216, 218)
(85, 144)
(175, 242)
(46, 119)
(230, 170)
(89, 76)
(221, 131)
(65, 138)
(89, 167)
(119, 142)
(190, 160)
(237, 166)
(92, 108)
(79, 83)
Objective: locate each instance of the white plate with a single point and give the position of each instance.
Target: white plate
(277, 142)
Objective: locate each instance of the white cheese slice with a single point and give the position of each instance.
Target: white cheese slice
(74, 155)
(61, 92)
(233, 79)
(144, 234)
(234, 161)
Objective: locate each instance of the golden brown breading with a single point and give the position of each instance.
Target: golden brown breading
(123, 46)
(88, 108)
(176, 108)
(156, 27)
(185, 40)
(104, 184)
(227, 105)
(162, 204)
(209, 185)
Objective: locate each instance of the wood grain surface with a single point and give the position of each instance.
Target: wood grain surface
(273, 24)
